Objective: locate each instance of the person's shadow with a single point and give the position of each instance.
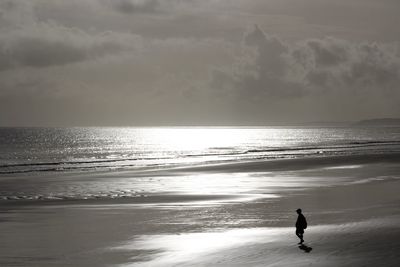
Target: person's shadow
(305, 248)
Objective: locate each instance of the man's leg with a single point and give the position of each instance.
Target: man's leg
(299, 233)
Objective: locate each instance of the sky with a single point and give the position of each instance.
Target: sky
(197, 62)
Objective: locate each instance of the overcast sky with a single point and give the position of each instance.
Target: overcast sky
(197, 62)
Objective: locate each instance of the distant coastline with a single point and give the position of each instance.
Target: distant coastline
(379, 122)
(367, 122)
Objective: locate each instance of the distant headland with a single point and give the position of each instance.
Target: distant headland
(367, 122)
(379, 122)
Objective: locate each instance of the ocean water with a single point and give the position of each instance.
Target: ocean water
(33, 150)
(101, 163)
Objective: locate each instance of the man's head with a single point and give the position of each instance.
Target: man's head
(298, 211)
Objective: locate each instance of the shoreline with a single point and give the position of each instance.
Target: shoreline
(273, 164)
(309, 166)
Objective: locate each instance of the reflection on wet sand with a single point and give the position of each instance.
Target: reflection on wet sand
(265, 246)
(169, 250)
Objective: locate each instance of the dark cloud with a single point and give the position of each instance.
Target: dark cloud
(42, 53)
(352, 66)
(262, 73)
(270, 51)
(311, 67)
(48, 44)
(136, 6)
(328, 51)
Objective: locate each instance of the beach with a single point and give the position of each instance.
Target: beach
(235, 214)
(183, 133)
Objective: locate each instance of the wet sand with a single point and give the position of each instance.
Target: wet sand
(223, 215)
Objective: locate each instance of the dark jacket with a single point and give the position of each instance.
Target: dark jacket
(301, 222)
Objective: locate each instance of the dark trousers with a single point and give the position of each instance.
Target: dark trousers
(299, 233)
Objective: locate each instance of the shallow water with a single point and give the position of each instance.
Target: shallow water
(89, 163)
(89, 149)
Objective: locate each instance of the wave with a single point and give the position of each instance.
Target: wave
(73, 162)
(356, 144)
(226, 153)
(88, 196)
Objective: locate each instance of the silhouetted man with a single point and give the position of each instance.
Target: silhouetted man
(301, 224)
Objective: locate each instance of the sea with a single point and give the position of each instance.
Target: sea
(117, 163)
(35, 150)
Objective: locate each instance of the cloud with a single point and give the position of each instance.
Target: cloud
(135, 6)
(48, 44)
(15, 12)
(120, 62)
(168, 6)
(337, 64)
(25, 41)
(275, 69)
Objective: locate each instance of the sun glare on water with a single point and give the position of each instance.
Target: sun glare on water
(198, 138)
